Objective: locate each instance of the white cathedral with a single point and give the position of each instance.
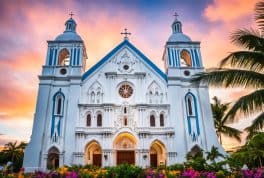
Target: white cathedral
(124, 109)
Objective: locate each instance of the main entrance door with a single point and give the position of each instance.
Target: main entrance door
(97, 160)
(153, 160)
(125, 157)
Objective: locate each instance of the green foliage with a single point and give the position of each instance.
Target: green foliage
(243, 69)
(213, 154)
(176, 167)
(124, 171)
(198, 163)
(14, 153)
(220, 121)
(252, 154)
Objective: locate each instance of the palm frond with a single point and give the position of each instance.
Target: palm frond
(230, 78)
(232, 132)
(250, 60)
(250, 39)
(247, 104)
(259, 16)
(257, 124)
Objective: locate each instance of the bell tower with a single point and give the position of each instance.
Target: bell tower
(58, 95)
(181, 56)
(190, 103)
(66, 54)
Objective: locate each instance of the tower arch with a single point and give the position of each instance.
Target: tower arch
(64, 57)
(93, 153)
(157, 153)
(53, 158)
(185, 58)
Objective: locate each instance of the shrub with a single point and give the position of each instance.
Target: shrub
(124, 171)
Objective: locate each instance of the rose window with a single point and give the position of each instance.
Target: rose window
(125, 91)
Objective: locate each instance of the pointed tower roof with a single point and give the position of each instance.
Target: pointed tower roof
(70, 31)
(177, 35)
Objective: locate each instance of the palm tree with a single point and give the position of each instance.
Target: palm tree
(255, 148)
(14, 151)
(243, 69)
(213, 154)
(220, 121)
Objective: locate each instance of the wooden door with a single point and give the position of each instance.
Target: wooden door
(125, 157)
(153, 160)
(97, 160)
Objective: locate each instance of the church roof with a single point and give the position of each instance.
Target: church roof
(133, 48)
(177, 34)
(70, 32)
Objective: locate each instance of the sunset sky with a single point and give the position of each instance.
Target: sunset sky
(25, 27)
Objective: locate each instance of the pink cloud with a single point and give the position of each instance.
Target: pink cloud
(229, 10)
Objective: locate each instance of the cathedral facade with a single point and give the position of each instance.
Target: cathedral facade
(123, 109)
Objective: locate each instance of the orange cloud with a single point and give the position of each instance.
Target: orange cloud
(229, 10)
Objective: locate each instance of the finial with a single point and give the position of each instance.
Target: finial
(125, 33)
(71, 14)
(176, 15)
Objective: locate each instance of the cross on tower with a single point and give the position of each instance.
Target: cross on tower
(71, 14)
(176, 15)
(125, 33)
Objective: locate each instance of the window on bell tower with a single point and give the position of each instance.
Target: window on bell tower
(64, 57)
(186, 59)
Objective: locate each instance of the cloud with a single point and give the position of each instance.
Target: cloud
(229, 10)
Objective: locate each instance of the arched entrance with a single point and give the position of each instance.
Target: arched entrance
(124, 146)
(53, 161)
(195, 151)
(157, 154)
(93, 154)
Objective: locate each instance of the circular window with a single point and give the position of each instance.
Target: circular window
(63, 71)
(186, 73)
(125, 67)
(125, 91)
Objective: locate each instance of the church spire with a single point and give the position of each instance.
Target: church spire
(70, 24)
(176, 25)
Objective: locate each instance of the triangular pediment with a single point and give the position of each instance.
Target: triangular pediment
(122, 55)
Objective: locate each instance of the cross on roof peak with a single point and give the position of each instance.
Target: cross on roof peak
(176, 15)
(125, 33)
(71, 14)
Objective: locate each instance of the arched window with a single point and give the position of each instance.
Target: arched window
(99, 120)
(152, 121)
(125, 110)
(190, 105)
(92, 97)
(192, 115)
(150, 96)
(98, 97)
(88, 120)
(64, 57)
(125, 121)
(58, 104)
(186, 59)
(161, 120)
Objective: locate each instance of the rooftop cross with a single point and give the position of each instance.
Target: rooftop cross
(71, 14)
(176, 15)
(125, 33)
